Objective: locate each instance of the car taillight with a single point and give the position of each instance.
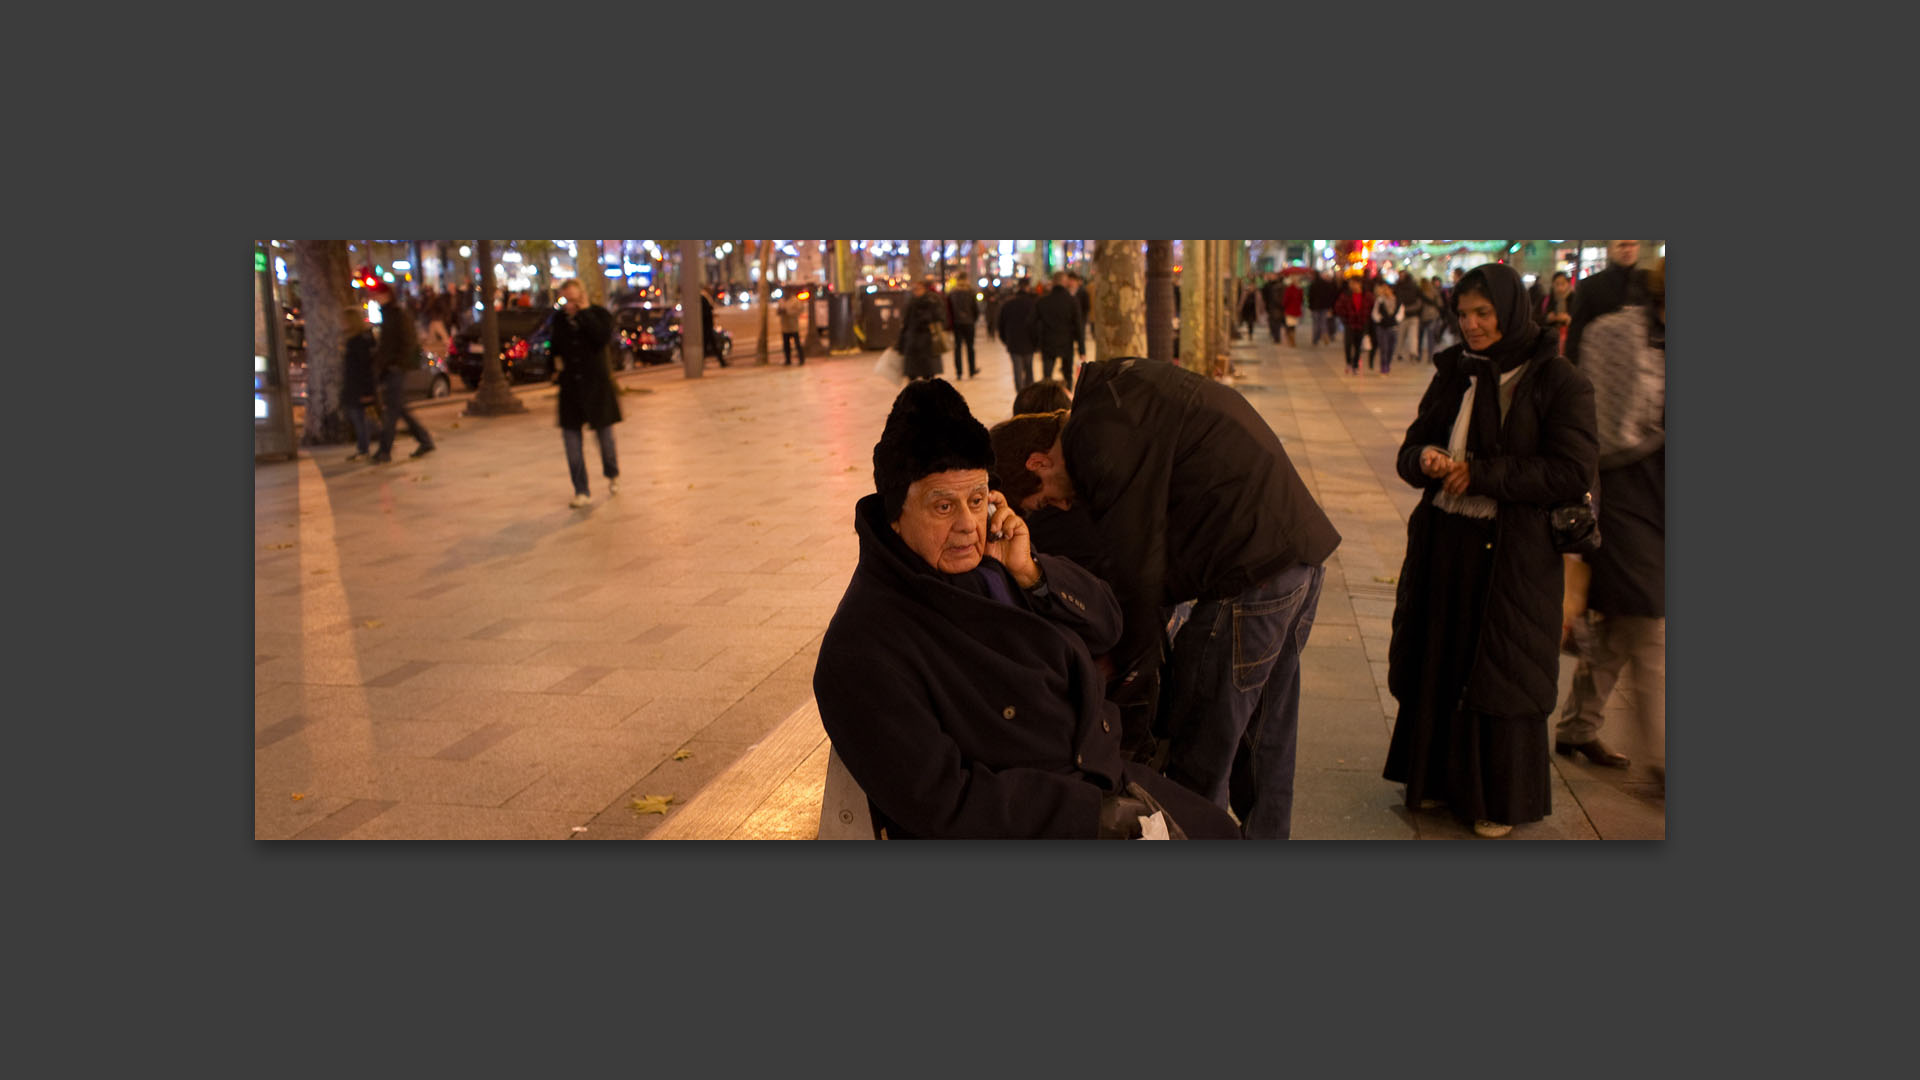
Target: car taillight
(517, 350)
(647, 338)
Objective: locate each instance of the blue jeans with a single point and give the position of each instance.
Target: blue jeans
(1383, 347)
(1022, 369)
(362, 424)
(1322, 325)
(1233, 688)
(393, 402)
(577, 456)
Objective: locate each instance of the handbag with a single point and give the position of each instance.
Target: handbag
(939, 334)
(1576, 531)
(891, 364)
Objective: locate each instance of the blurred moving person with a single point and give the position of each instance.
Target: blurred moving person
(924, 312)
(1322, 295)
(1602, 293)
(1060, 329)
(397, 353)
(1386, 324)
(1291, 299)
(1556, 308)
(581, 333)
(357, 384)
(1019, 332)
(963, 311)
(1355, 313)
(790, 308)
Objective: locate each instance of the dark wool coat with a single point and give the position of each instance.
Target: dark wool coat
(1018, 331)
(1059, 326)
(587, 394)
(1601, 294)
(399, 346)
(1322, 293)
(963, 308)
(1546, 455)
(916, 336)
(1192, 490)
(357, 372)
(962, 716)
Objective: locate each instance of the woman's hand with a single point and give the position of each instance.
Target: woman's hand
(1457, 479)
(1435, 463)
(1006, 539)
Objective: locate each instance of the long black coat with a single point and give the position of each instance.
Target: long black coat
(1019, 331)
(916, 336)
(962, 716)
(1058, 321)
(1547, 452)
(357, 372)
(587, 394)
(1191, 489)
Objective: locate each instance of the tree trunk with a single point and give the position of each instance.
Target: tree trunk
(762, 296)
(1194, 307)
(693, 273)
(1223, 312)
(1119, 299)
(496, 396)
(916, 260)
(329, 307)
(588, 268)
(1159, 301)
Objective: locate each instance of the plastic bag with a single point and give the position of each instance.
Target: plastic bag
(891, 364)
(1155, 827)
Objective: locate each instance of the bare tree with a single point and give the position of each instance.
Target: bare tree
(1119, 299)
(496, 396)
(766, 288)
(1195, 306)
(693, 272)
(330, 310)
(1159, 300)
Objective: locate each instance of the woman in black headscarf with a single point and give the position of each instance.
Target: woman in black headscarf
(1505, 431)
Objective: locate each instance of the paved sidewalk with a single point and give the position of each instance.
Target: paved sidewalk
(447, 651)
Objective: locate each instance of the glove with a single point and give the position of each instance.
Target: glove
(1120, 817)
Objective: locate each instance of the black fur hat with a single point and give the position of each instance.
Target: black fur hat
(930, 430)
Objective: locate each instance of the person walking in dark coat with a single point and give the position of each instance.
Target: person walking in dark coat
(357, 386)
(922, 360)
(1250, 308)
(1141, 439)
(1624, 623)
(1081, 296)
(1292, 298)
(1019, 332)
(588, 397)
(1356, 312)
(397, 353)
(791, 308)
(1504, 432)
(1271, 295)
(1321, 296)
(957, 680)
(1059, 329)
(1602, 293)
(709, 339)
(963, 311)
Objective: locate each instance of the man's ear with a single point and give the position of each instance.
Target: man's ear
(1039, 464)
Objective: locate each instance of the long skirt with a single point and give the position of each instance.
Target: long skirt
(1485, 768)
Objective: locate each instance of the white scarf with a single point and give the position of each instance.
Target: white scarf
(1473, 506)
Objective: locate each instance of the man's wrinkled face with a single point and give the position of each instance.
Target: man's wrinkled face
(944, 519)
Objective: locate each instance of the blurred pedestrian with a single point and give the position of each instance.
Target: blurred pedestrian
(1019, 332)
(1048, 395)
(437, 317)
(1270, 291)
(1292, 297)
(1141, 438)
(1624, 621)
(1386, 324)
(1078, 286)
(1604, 292)
(790, 309)
(581, 333)
(1556, 309)
(397, 352)
(1430, 324)
(1060, 329)
(963, 311)
(1406, 292)
(357, 384)
(709, 339)
(1505, 429)
(1355, 313)
(1250, 309)
(916, 345)
(1322, 295)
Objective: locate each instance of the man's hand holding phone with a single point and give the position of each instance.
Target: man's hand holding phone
(1006, 540)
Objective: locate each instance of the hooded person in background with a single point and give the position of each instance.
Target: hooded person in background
(1505, 430)
(581, 332)
(956, 679)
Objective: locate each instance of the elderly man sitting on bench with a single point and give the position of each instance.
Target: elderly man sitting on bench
(957, 678)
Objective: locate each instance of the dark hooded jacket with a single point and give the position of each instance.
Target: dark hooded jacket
(1542, 453)
(1192, 490)
(587, 393)
(357, 368)
(966, 716)
(916, 336)
(1017, 325)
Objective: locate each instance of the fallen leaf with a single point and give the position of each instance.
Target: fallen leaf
(750, 523)
(652, 804)
(373, 624)
(849, 468)
(278, 547)
(689, 487)
(682, 755)
(456, 423)
(417, 479)
(1386, 580)
(297, 796)
(322, 570)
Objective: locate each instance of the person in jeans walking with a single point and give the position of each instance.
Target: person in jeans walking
(1060, 329)
(1322, 295)
(963, 311)
(1386, 323)
(1018, 333)
(581, 332)
(1355, 314)
(1140, 439)
(357, 385)
(397, 353)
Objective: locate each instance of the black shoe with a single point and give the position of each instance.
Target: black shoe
(1594, 751)
(381, 458)
(422, 451)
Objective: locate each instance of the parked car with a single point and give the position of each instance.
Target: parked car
(651, 335)
(433, 379)
(526, 347)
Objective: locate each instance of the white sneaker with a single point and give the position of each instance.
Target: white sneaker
(613, 487)
(1491, 830)
(580, 501)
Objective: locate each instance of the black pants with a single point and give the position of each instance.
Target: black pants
(1022, 369)
(789, 343)
(393, 404)
(963, 341)
(1048, 354)
(1353, 338)
(1250, 319)
(1275, 323)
